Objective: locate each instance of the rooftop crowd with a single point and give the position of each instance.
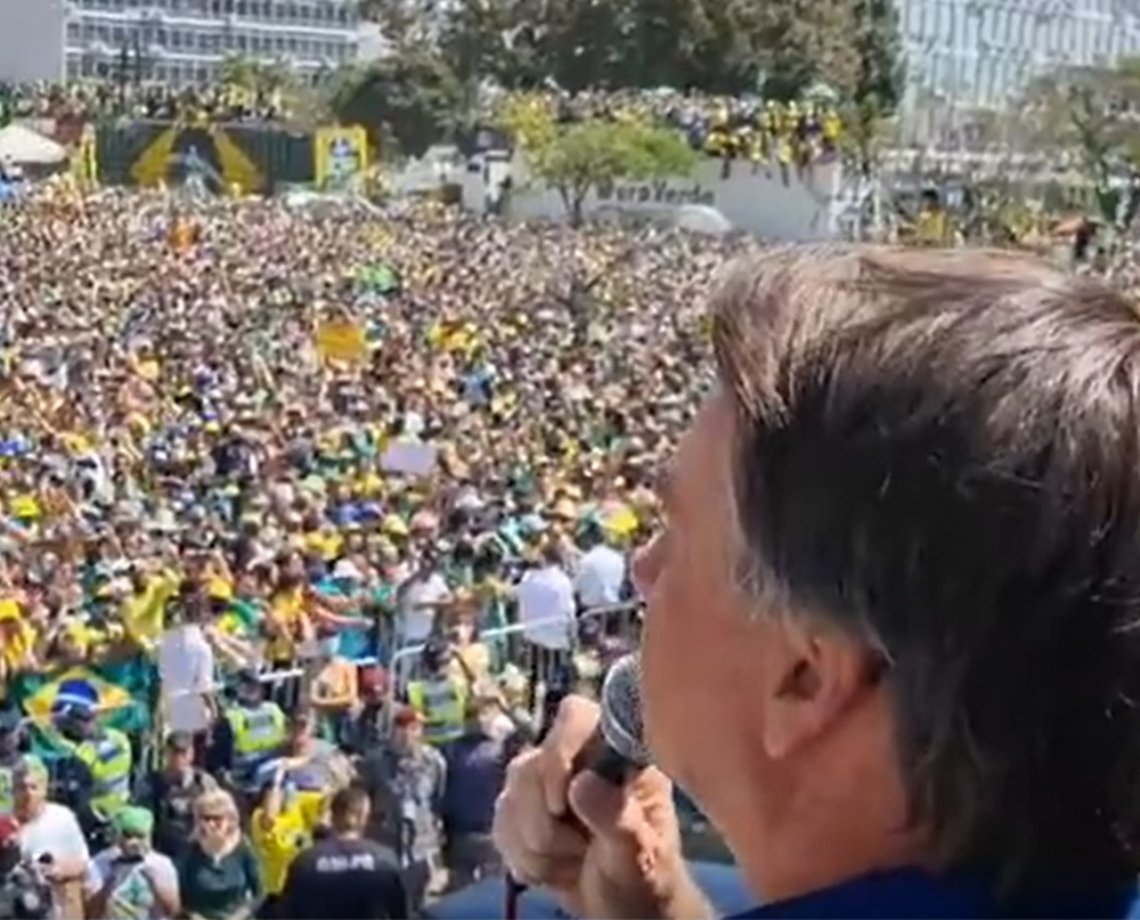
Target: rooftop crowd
(794, 134)
(96, 99)
(249, 454)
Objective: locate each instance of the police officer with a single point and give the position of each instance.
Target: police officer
(253, 731)
(104, 752)
(169, 793)
(440, 698)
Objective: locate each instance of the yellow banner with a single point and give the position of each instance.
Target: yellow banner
(84, 159)
(340, 155)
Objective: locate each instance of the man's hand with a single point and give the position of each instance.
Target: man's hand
(607, 851)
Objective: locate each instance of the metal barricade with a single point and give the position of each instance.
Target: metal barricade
(616, 630)
(604, 632)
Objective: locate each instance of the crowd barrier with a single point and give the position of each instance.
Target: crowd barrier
(620, 621)
(289, 686)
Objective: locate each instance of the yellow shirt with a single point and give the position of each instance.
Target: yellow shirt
(288, 835)
(17, 644)
(287, 608)
(144, 614)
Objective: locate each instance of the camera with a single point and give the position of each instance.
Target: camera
(25, 892)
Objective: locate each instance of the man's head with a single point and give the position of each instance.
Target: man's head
(407, 728)
(481, 712)
(133, 828)
(899, 571)
(179, 752)
(349, 811)
(250, 691)
(302, 724)
(76, 720)
(435, 655)
(29, 788)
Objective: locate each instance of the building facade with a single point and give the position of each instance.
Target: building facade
(32, 40)
(173, 41)
(969, 55)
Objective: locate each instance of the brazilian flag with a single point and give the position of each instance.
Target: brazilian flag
(119, 704)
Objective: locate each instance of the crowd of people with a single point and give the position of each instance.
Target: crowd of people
(94, 100)
(306, 519)
(791, 134)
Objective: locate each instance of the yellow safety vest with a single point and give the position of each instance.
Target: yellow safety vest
(108, 757)
(441, 703)
(258, 733)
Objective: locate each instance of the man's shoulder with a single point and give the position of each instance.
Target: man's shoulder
(58, 814)
(161, 862)
(432, 757)
(339, 851)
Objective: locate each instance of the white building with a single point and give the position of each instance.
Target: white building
(763, 200)
(175, 41)
(966, 55)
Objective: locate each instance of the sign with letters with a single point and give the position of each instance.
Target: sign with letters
(659, 191)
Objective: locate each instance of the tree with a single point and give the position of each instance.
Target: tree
(581, 44)
(590, 155)
(1089, 115)
(881, 75)
(256, 76)
(410, 99)
(805, 42)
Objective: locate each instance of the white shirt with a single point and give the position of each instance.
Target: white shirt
(601, 575)
(186, 672)
(132, 898)
(546, 607)
(54, 833)
(416, 612)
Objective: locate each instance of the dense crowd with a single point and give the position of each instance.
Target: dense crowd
(792, 134)
(251, 457)
(94, 100)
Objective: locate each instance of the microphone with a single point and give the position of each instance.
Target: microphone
(618, 749)
(621, 750)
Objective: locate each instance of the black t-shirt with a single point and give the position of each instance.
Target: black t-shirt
(344, 880)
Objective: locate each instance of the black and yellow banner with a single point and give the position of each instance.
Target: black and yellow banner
(205, 153)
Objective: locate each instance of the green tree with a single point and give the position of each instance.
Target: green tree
(409, 99)
(802, 43)
(257, 76)
(1088, 114)
(881, 74)
(589, 155)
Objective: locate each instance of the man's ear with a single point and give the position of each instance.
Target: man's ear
(812, 675)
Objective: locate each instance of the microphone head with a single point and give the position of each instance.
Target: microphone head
(622, 725)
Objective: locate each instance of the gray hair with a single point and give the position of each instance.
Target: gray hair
(940, 452)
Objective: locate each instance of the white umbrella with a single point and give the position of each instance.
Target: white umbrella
(700, 218)
(25, 147)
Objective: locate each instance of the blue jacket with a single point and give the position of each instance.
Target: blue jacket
(906, 893)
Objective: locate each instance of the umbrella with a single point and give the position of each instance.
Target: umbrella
(27, 148)
(701, 218)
